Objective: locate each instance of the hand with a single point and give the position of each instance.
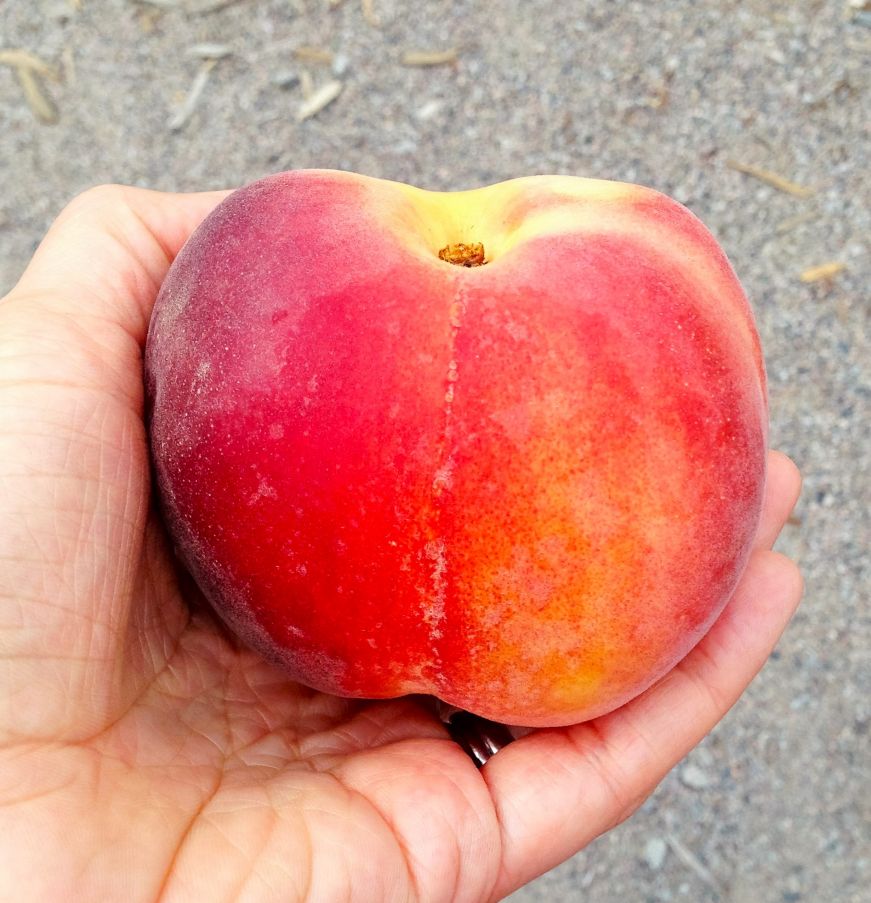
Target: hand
(145, 756)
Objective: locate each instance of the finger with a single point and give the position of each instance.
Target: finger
(782, 487)
(74, 490)
(108, 251)
(557, 789)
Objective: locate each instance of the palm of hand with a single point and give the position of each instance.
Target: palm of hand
(144, 750)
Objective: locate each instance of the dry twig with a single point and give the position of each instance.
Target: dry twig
(799, 219)
(313, 55)
(38, 101)
(213, 6)
(822, 271)
(319, 99)
(18, 58)
(771, 178)
(160, 4)
(179, 119)
(429, 57)
(692, 862)
(30, 68)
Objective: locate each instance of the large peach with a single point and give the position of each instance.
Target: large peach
(526, 487)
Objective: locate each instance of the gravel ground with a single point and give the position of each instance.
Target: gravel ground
(774, 806)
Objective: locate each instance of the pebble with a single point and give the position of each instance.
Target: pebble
(428, 110)
(285, 79)
(694, 777)
(655, 851)
(340, 64)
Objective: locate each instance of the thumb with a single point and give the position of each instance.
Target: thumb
(107, 253)
(73, 461)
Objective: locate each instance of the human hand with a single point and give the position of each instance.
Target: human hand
(146, 756)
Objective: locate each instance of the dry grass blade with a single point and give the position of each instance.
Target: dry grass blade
(692, 862)
(160, 4)
(214, 6)
(179, 119)
(320, 99)
(38, 101)
(822, 271)
(306, 84)
(771, 178)
(313, 55)
(24, 59)
(209, 51)
(794, 221)
(68, 63)
(429, 57)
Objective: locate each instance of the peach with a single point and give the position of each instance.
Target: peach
(503, 446)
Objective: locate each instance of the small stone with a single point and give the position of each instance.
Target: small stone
(285, 79)
(693, 776)
(340, 64)
(800, 701)
(655, 851)
(428, 110)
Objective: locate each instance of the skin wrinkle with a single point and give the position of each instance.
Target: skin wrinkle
(6, 802)
(404, 754)
(137, 699)
(92, 338)
(355, 739)
(42, 602)
(233, 894)
(606, 765)
(309, 859)
(471, 807)
(370, 804)
(160, 896)
(115, 200)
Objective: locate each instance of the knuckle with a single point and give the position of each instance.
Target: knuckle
(97, 201)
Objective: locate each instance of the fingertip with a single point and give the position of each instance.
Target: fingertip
(783, 471)
(107, 253)
(765, 599)
(790, 579)
(782, 487)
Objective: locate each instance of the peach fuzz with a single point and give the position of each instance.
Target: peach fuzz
(527, 487)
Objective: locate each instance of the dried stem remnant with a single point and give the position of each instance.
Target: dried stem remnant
(463, 255)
